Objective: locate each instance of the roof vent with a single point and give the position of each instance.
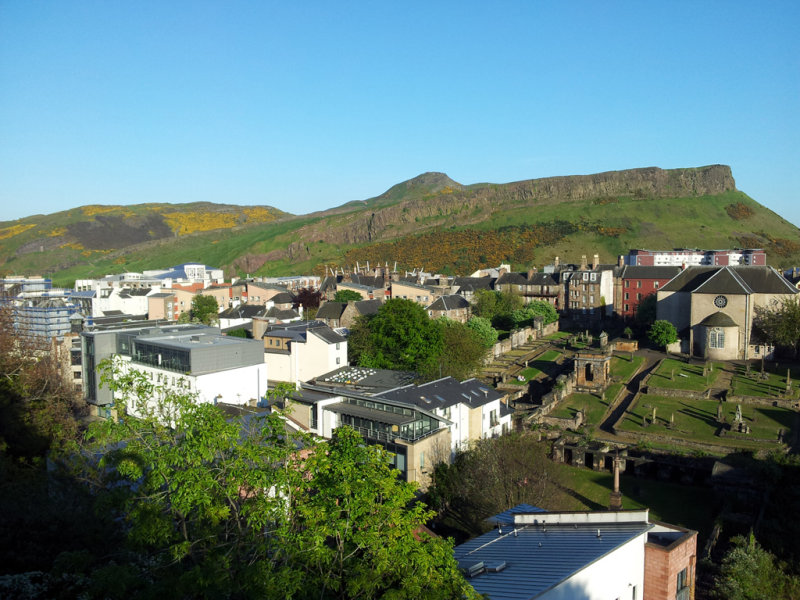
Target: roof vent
(496, 567)
(598, 534)
(474, 569)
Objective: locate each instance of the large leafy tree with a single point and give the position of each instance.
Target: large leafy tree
(347, 296)
(224, 508)
(484, 330)
(662, 333)
(402, 336)
(462, 351)
(356, 531)
(205, 309)
(538, 308)
(748, 572)
(780, 323)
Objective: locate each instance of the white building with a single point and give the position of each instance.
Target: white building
(580, 556)
(298, 352)
(192, 358)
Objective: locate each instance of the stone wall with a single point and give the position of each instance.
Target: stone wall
(520, 337)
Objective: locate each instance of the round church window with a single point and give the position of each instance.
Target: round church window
(720, 301)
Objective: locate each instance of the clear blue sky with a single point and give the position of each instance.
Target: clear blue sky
(307, 105)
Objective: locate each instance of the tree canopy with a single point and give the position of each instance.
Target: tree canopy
(211, 506)
(662, 333)
(484, 330)
(400, 336)
(780, 323)
(347, 296)
(205, 309)
(748, 572)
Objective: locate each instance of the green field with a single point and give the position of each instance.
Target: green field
(623, 367)
(543, 364)
(774, 386)
(696, 421)
(677, 375)
(688, 506)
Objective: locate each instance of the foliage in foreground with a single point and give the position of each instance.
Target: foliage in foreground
(748, 572)
(211, 507)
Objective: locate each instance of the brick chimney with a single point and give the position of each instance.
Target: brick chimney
(595, 262)
(584, 266)
(621, 260)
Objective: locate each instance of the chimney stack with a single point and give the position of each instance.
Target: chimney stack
(621, 260)
(596, 262)
(556, 262)
(584, 266)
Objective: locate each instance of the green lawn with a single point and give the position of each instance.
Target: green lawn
(558, 335)
(688, 506)
(623, 367)
(595, 407)
(696, 420)
(677, 375)
(543, 364)
(772, 387)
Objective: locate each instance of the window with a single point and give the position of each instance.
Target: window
(655, 285)
(639, 283)
(338, 360)
(591, 299)
(593, 277)
(585, 276)
(683, 585)
(627, 283)
(338, 345)
(638, 296)
(627, 308)
(626, 295)
(422, 460)
(717, 338)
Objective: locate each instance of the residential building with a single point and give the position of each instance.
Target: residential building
(589, 290)
(261, 293)
(467, 286)
(473, 410)
(44, 316)
(367, 292)
(453, 307)
(299, 352)
(421, 294)
(343, 314)
(193, 358)
(187, 274)
(580, 556)
(532, 286)
(241, 316)
(636, 283)
(714, 308)
(685, 257)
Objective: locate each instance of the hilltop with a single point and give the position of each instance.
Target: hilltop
(429, 221)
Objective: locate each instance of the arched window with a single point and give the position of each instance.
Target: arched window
(716, 338)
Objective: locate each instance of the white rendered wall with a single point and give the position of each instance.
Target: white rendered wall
(612, 576)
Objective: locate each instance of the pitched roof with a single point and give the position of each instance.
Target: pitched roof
(513, 278)
(283, 298)
(451, 302)
(367, 307)
(740, 279)
(470, 284)
(442, 393)
(243, 311)
(655, 272)
(331, 310)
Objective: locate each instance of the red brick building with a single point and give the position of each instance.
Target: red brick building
(636, 283)
(670, 557)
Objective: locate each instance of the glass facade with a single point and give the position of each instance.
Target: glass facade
(171, 359)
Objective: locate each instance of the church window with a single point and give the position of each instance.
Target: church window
(717, 338)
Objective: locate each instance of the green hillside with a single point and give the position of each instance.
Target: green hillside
(429, 221)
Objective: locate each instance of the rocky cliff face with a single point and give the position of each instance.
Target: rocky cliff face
(457, 204)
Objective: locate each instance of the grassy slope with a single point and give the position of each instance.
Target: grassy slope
(648, 223)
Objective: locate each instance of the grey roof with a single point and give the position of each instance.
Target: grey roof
(655, 272)
(367, 307)
(541, 278)
(513, 278)
(366, 378)
(282, 313)
(471, 284)
(266, 286)
(161, 295)
(738, 279)
(414, 284)
(283, 298)
(538, 558)
(299, 332)
(368, 280)
(718, 319)
(83, 294)
(451, 302)
(355, 286)
(327, 334)
(331, 310)
(442, 393)
(329, 283)
(243, 311)
(383, 416)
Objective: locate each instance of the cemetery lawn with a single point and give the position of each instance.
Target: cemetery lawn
(537, 367)
(686, 376)
(623, 367)
(595, 407)
(558, 335)
(771, 387)
(685, 505)
(696, 421)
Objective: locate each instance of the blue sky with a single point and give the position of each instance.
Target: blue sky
(307, 105)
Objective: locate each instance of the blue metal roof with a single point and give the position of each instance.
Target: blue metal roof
(507, 516)
(532, 559)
